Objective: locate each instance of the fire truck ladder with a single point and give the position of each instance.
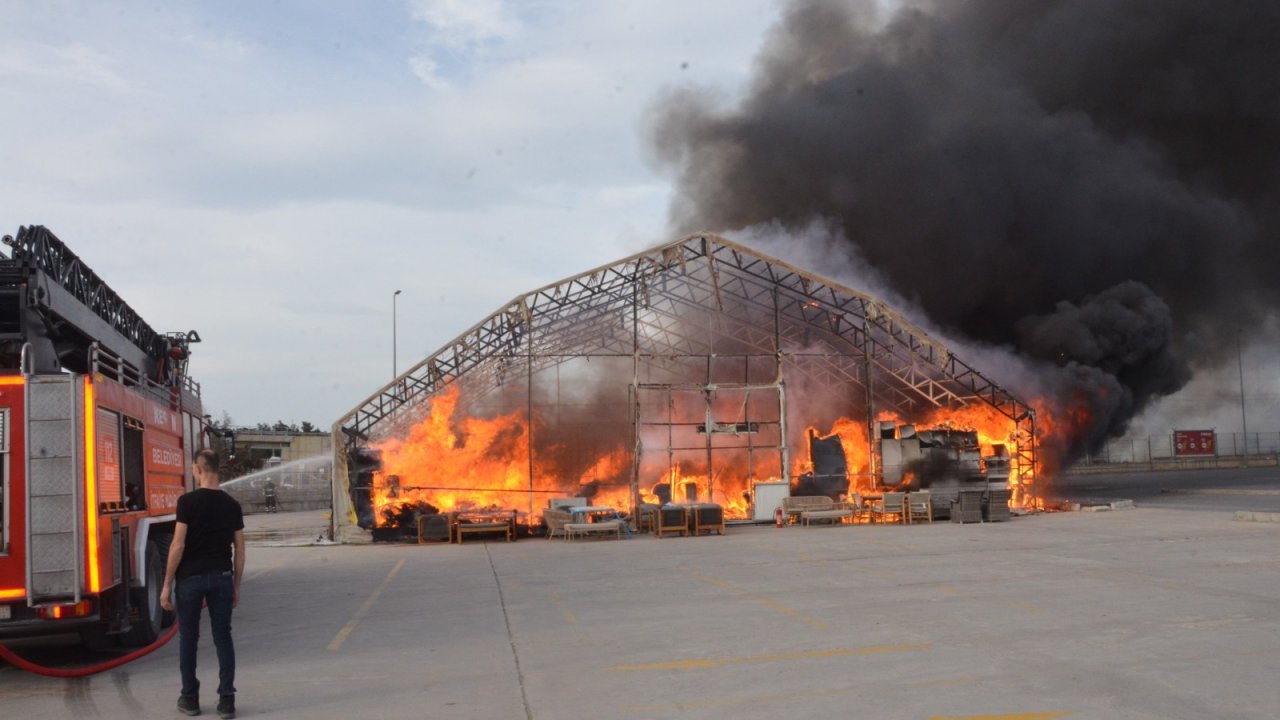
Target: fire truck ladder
(78, 309)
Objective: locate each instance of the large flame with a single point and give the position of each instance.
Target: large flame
(455, 461)
(471, 463)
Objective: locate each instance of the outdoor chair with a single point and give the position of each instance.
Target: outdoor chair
(707, 517)
(672, 519)
(919, 506)
(967, 507)
(996, 507)
(861, 511)
(555, 519)
(646, 517)
(893, 503)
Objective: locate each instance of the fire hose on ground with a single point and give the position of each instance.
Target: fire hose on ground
(20, 662)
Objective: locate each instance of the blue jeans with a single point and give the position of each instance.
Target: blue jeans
(216, 590)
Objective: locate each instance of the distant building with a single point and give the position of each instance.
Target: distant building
(281, 469)
(248, 449)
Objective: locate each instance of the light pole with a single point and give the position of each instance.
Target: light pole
(1244, 422)
(394, 373)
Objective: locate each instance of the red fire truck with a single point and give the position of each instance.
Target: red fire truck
(98, 424)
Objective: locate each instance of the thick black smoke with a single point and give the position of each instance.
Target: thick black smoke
(1092, 182)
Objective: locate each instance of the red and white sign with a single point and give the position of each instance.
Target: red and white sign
(1194, 442)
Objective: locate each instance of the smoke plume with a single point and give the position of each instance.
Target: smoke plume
(1090, 182)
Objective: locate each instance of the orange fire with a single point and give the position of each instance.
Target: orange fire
(472, 463)
(454, 461)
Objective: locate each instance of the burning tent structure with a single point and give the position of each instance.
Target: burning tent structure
(692, 371)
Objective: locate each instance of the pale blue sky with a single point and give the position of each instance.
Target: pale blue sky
(268, 173)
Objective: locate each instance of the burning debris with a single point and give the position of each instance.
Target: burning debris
(830, 473)
(943, 460)
(696, 374)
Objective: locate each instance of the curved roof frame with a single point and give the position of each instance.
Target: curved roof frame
(640, 307)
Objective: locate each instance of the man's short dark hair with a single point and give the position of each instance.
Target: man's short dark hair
(208, 458)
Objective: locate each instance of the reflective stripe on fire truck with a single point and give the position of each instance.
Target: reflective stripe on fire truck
(8, 593)
(91, 487)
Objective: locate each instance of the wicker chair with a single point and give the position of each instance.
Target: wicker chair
(707, 517)
(555, 519)
(996, 507)
(967, 507)
(672, 519)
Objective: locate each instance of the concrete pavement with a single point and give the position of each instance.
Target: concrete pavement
(1121, 615)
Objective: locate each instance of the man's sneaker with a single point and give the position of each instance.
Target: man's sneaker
(227, 707)
(188, 704)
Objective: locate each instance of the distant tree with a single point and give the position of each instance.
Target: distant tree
(263, 426)
(222, 440)
(308, 427)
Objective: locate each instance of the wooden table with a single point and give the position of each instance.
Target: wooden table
(473, 521)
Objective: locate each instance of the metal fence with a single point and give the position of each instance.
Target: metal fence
(1158, 450)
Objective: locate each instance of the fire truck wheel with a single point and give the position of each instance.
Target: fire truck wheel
(150, 620)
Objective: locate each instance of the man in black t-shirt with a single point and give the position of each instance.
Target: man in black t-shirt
(202, 570)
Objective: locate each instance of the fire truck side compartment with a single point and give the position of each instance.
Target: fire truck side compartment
(54, 530)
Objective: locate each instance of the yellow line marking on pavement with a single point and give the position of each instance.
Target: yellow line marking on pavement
(756, 700)
(771, 604)
(569, 617)
(765, 548)
(893, 577)
(708, 663)
(341, 637)
(1014, 716)
(810, 559)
